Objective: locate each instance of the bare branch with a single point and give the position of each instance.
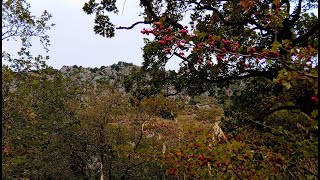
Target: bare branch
(173, 23)
(133, 25)
(184, 58)
(123, 7)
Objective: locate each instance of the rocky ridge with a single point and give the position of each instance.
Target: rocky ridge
(113, 74)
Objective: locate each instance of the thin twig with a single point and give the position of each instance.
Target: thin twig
(236, 173)
(133, 25)
(123, 6)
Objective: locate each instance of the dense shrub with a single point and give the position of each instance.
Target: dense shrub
(210, 114)
(201, 158)
(94, 70)
(102, 67)
(160, 106)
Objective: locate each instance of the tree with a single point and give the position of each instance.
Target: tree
(271, 45)
(35, 124)
(266, 38)
(110, 143)
(18, 23)
(36, 120)
(226, 40)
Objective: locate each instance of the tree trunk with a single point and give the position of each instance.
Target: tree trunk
(101, 149)
(101, 171)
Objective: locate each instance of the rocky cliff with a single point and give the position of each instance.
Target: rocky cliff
(113, 74)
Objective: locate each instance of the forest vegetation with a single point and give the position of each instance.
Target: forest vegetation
(243, 105)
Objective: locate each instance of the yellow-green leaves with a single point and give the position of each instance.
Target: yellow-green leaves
(199, 34)
(276, 45)
(314, 113)
(276, 2)
(162, 19)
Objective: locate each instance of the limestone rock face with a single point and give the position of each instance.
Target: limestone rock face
(110, 74)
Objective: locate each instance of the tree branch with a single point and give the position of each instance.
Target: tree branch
(303, 38)
(269, 31)
(310, 172)
(296, 14)
(184, 58)
(123, 177)
(302, 73)
(236, 173)
(123, 7)
(251, 74)
(148, 6)
(80, 166)
(171, 94)
(133, 25)
(226, 23)
(287, 3)
(173, 23)
(273, 110)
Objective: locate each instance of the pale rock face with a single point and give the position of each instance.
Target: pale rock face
(65, 68)
(109, 74)
(92, 75)
(97, 77)
(218, 133)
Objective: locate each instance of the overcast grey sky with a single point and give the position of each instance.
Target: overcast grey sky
(73, 41)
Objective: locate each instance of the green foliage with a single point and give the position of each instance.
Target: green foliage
(54, 128)
(94, 70)
(160, 106)
(115, 67)
(18, 23)
(139, 85)
(112, 130)
(120, 64)
(270, 46)
(34, 113)
(202, 158)
(211, 114)
(103, 26)
(280, 118)
(240, 40)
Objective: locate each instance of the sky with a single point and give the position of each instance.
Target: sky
(73, 41)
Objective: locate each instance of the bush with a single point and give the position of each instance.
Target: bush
(116, 67)
(94, 70)
(102, 67)
(210, 115)
(160, 106)
(204, 159)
